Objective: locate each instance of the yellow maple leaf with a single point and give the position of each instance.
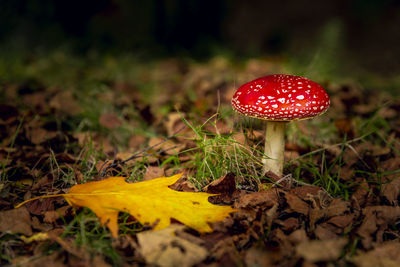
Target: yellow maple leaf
(151, 202)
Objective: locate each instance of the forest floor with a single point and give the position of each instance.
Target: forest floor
(65, 121)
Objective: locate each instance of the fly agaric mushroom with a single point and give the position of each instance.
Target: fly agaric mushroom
(279, 99)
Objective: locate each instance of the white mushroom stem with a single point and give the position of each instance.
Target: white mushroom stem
(274, 147)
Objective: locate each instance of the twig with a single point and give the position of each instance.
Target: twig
(338, 144)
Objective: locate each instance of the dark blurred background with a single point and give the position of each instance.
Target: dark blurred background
(353, 34)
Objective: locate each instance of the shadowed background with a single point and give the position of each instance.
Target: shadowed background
(356, 35)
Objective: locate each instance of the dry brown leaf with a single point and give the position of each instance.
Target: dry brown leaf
(390, 165)
(347, 172)
(387, 255)
(39, 207)
(153, 172)
(110, 120)
(36, 100)
(324, 233)
(164, 248)
(225, 184)
(346, 127)
(387, 113)
(258, 256)
(65, 102)
(305, 192)
(264, 198)
(335, 208)
(298, 236)
(168, 146)
(16, 221)
(156, 142)
(289, 224)
(226, 252)
(55, 259)
(82, 137)
(296, 204)
(52, 216)
(239, 137)
(39, 135)
(184, 185)
(376, 217)
(341, 221)
(291, 156)
(362, 192)
(321, 250)
(391, 191)
(136, 141)
(174, 122)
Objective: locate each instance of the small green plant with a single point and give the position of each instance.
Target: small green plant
(217, 154)
(89, 234)
(3, 175)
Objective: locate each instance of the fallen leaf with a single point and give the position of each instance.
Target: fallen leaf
(226, 184)
(167, 146)
(153, 172)
(150, 202)
(16, 221)
(39, 207)
(362, 192)
(65, 102)
(335, 208)
(296, 204)
(321, 250)
(55, 259)
(174, 122)
(387, 255)
(305, 192)
(341, 221)
(298, 236)
(346, 127)
(391, 191)
(258, 256)
(110, 120)
(239, 137)
(375, 217)
(136, 140)
(324, 233)
(289, 224)
(184, 185)
(53, 215)
(264, 198)
(164, 248)
(226, 252)
(39, 135)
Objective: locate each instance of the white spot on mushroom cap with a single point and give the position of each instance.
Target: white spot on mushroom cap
(300, 97)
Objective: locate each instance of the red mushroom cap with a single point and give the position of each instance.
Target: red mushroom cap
(281, 97)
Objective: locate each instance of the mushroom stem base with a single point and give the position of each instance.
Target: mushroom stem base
(274, 147)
